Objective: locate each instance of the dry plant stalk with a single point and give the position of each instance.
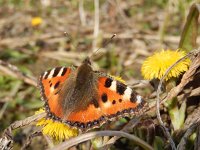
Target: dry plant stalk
(190, 131)
(22, 123)
(91, 135)
(15, 72)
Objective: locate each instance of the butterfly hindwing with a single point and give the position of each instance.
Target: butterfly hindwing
(50, 83)
(86, 119)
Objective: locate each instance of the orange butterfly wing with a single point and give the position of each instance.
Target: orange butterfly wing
(50, 83)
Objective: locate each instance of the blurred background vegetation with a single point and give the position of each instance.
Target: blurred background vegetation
(32, 37)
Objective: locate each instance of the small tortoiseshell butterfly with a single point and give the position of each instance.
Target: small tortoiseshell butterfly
(83, 98)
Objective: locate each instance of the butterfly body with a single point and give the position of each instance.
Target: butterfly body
(79, 89)
(83, 98)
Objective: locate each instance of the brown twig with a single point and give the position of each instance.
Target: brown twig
(195, 92)
(130, 125)
(7, 99)
(193, 117)
(49, 140)
(190, 130)
(29, 139)
(91, 135)
(15, 72)
(5, 143)
(22, 123)
(197, 140)
(192, 92)
(139, 83)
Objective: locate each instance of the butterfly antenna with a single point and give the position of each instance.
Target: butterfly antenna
(104, 45)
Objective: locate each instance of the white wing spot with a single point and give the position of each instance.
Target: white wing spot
(139, 99)
(45, 73)
(113, 86)
(51, 73)
(61, 71)
(107, 104)
(127, 93)
(51, 89)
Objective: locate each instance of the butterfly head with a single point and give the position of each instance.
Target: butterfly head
(86, 65)
(85, 71)
(87, 61)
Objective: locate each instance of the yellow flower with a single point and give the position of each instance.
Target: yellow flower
(56, 130)
(36, 21)
(118, 78)
(155, 66)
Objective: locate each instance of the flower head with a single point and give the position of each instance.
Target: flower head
(56, 130)
(155, 66)
(36, 21)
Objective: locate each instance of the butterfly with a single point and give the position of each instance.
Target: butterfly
(84, 98)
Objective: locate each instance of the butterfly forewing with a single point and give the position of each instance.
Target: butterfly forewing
(51, 82)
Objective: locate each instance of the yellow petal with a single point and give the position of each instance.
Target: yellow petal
(56, 130)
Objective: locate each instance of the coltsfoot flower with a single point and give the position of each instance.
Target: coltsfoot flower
(155, 66)
(36, 21)
(56, 130)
